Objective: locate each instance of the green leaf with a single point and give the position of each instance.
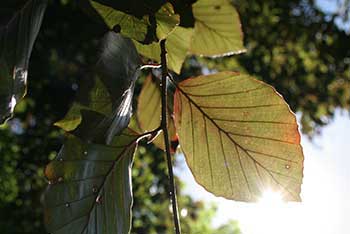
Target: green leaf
(166, 20)
(149, 106)
(17, 38)
(149, 112)
(239, 137)
(89, 187)
(130, 25)
(110, 94)
(177, 46)
(217, 30)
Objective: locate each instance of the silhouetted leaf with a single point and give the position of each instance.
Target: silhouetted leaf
(239, 137)
(217, 30)
(110, 93)
(89, 187)
(98, 100)
(17, 36)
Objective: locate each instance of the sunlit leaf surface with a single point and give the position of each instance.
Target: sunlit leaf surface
(89, 188)
(239, 137)
(17, 36)
(217, 29)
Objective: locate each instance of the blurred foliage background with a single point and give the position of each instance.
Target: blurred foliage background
(293, 45)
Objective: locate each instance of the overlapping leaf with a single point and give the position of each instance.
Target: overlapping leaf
(110, 93)
(166, 20)
(239, 137)
(177, 46)
(17, 37)
(149, 112)
(217, 30)
(130, 25)
(142, 29)
(98, 100)
(89, 188)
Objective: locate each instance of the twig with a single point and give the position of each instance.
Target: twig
(152, 66)
(164, 127)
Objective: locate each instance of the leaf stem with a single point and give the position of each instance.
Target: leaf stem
(164, 127)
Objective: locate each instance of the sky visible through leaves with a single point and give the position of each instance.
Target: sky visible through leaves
(325, 191)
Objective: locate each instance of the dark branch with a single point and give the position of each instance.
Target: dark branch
(164, 127)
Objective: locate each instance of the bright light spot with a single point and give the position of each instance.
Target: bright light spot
(184, 212)
(271, 198)
(13, 103)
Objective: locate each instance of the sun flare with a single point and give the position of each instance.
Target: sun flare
(271, 198)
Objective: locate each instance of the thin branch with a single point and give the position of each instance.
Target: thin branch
(164, 127)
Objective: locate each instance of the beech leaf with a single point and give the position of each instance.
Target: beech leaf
(239, 137)
(177, 46)
(110, 94)
(217, 29)
(149, 112)
(17, 37)
(89, 187)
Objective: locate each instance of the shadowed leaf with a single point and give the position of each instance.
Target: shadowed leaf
(17, 36)
(239, 137)
(89, 187)
(110, 93)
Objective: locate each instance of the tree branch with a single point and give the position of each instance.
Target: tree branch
(164, 126)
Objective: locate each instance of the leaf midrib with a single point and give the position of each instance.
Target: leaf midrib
(236, 144)
(99, 189)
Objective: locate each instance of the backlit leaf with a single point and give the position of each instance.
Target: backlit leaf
(130, 25)
(217, 29)
(149, 112)
(89, 187)
(166, 20)
(177, 46)
(239, 137)
(17, 36)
